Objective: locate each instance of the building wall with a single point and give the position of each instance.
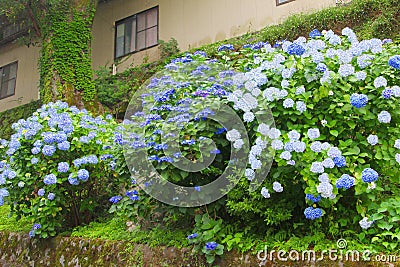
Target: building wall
(27, 82)
(192, 22)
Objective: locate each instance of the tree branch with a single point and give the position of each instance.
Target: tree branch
(32, 18)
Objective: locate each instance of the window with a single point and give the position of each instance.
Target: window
(136, 32)
(8, 76)
(281, 2)
(11, 31)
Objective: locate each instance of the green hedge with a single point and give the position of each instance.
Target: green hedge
(8, 117)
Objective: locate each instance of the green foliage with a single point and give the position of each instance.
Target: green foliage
(10, 223)
(112, 91)
(168, 49)
(8, 117)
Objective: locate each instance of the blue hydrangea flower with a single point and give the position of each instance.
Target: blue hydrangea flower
(31, 233)
(48, 150)
(384, 117)
(296, 49)
(51, 196)
(321, 67)
(211, 245)
(313, 133)
(192, 236)
(63, 167)
(35, 150)
(41, 192)
(312, 213)
(313, 198)
(340, 161)
(394, 62)
(345, 181)
(64, 146)
(115, 199)
(387, 93)
(50, 179)
(83, 175)
(369, 175)
(315, 33)
(225, 47)
(36, 226)
(73, 180)
(358, 100)
(34, 161)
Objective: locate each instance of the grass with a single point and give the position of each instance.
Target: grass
(10, 224)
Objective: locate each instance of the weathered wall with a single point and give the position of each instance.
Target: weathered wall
(18, 250)
(26, 88)
(192, 23)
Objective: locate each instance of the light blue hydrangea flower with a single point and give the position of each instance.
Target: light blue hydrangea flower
(372, 139)
(384, 117)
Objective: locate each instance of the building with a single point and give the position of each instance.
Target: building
(126, 33)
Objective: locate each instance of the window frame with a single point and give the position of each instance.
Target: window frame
(130, 19)
(1, 78)
(279, 4)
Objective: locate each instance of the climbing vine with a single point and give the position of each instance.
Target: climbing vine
(65, 63)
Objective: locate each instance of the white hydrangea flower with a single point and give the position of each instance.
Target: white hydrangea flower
(265, 193)
(365, 224)
(238, 144)
(233, 135)
(277, 187)
(263, 129)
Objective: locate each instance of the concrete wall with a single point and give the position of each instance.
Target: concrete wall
(26, 88)
(192, 22)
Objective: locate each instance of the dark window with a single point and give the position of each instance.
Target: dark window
(281, 2)
(8, 76)
(136, 32)
(11, 31)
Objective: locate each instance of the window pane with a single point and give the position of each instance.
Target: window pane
(133, 36)
(6, 74)
(13, 71)
(3, 91)
(151, 36)
(128, 34)
(11, 87)
(141, 40)
(141, 22)
(119, 43)
(151, 18)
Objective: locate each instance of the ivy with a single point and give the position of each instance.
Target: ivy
(65, 62)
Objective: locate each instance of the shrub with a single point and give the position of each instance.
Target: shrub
(334, 100)
(56, 170)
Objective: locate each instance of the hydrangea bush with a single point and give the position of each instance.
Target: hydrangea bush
(334, 100)
(55, 168)
(335, 103)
